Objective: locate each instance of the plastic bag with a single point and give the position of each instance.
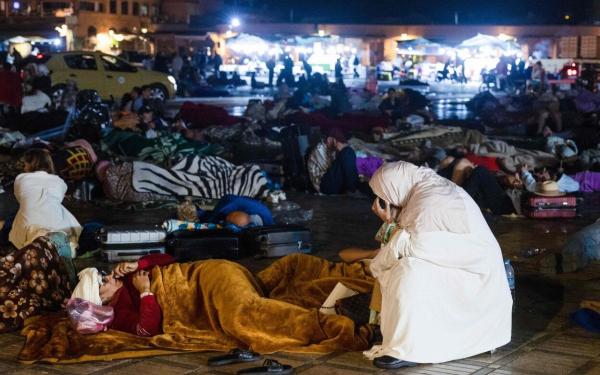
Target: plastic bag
(298, 216)
(88, 317)
(285, 206)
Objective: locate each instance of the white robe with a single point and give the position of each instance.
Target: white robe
(445, 294)
(41, 211)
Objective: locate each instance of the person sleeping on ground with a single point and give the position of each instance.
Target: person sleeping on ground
(240, 211)
(202, 177)
(224, 306)
(127, 289)
(479, 183)
(445, 295)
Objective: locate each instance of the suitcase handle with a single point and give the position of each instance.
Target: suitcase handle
(136, 253)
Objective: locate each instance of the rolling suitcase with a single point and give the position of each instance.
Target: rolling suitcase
(295, 143)
(277, 240)
(540, 207)
(122, 243)
(188, 246)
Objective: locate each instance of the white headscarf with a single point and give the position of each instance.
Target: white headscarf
(428, 201)
(88, 287)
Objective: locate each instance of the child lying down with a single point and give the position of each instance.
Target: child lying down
(207, 305)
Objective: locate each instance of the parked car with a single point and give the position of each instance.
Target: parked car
(111, 76)
(135, 58)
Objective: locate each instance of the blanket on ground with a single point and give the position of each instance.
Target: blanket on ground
(200, 116)
(168, 145)
(356, 121)
(589, 182)
(204, 177)
(32, 279)
(225, 307)
(510, 157)
(438, 136)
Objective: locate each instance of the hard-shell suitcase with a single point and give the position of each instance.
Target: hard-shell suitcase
(122, 243)
(278, 240)
(540, 207)
(187, 246)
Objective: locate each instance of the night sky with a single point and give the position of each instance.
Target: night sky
(428, 11)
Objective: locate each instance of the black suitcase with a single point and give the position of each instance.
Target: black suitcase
(189, 246)
(295, 143)
(277, 240)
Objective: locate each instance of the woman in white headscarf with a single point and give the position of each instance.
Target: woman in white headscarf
(445, 295)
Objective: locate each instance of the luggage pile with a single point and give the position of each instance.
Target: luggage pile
(127, 243)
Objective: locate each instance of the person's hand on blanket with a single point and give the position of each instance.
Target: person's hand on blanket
(141, 281)
(125, 268)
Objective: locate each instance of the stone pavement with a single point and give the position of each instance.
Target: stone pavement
(543, 341)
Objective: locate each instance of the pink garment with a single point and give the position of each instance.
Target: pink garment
(88, 317)
(589, 182)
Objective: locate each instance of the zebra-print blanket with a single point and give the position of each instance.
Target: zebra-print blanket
(204, 177)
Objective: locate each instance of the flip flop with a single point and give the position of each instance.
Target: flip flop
(269, 367)
(234, 356)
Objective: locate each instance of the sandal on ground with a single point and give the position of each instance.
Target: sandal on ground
(387, 362)
(269, 367)
(234, 356)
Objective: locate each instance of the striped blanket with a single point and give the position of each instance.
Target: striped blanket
(204, 177)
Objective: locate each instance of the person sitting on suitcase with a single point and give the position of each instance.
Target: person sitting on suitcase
(341, 176)
(240, 211)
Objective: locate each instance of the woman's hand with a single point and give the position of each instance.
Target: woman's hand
(141, 281)
(125, 268)
(385, 213)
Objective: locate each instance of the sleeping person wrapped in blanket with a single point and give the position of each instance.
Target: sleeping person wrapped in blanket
(159, 306)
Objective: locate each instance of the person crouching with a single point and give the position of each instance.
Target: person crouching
(341, 176)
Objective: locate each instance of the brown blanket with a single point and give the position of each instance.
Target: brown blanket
(219, 305)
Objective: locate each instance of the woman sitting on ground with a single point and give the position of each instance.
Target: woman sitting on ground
(445, 295)
(40, 193)
(32, 276)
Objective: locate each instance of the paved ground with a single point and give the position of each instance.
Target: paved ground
(543, 342)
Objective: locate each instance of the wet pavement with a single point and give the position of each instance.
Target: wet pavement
(543, 341)
(447, 100)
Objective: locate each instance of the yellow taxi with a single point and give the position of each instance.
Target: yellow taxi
(111, 76)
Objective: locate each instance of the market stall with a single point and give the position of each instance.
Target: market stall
(482, 53)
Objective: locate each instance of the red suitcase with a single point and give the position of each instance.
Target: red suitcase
(539, 207)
